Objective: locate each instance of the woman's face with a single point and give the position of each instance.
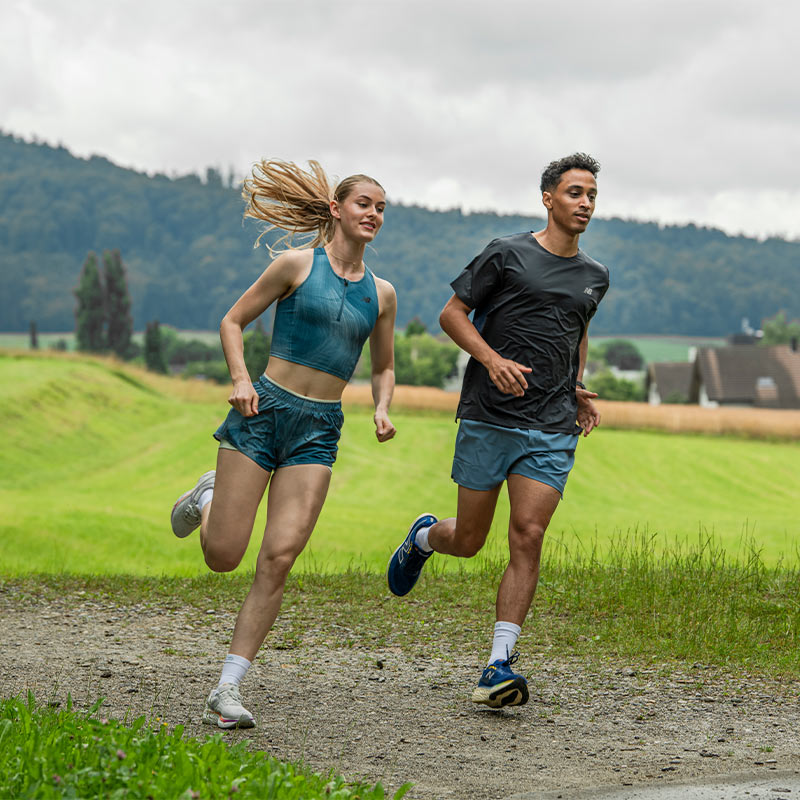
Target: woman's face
(360, 213)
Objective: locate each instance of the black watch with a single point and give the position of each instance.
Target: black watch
(578, 383)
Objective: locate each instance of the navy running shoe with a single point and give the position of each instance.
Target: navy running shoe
(408, 560)
(499, 686)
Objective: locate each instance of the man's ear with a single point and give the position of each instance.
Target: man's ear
(547, 200)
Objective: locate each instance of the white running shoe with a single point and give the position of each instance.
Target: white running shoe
(225, 710)
(185, 513)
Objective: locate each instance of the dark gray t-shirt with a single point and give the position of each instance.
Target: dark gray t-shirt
(533, 307)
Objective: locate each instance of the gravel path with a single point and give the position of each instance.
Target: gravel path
(380, 716)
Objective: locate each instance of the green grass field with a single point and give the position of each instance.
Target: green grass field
(93, 459)
(664, 348)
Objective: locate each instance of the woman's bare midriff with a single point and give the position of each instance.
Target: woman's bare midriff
(305, 381)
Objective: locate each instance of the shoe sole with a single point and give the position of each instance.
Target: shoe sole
(182, 535)
(172, 514)
(508, 693)
(213, 718)
(397, 550)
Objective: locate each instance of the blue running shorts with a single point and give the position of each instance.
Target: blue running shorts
(289, 429)
(486, 455)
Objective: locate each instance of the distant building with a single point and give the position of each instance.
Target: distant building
(739, 375)
(747, 375)
(669, 382)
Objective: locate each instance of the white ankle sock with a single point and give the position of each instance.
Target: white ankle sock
(421, 540)
(505, 637)
(234, 668)
(205, 498)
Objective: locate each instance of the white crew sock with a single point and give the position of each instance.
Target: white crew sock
(205, 498)
(505, 637)
(421, 540)
(234, 668)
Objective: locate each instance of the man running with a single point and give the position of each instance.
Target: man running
(522, 405)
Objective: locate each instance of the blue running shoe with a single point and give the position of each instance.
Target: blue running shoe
(408, 560)
(499, 686)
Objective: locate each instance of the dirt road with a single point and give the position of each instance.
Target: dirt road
(380, 716)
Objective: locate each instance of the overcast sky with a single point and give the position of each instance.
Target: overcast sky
(692, 108)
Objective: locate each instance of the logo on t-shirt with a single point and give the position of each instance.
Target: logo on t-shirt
(588, 290)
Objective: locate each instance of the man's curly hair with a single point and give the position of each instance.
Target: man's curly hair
(555, 169)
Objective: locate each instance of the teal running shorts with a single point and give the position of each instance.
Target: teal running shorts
(485, 455)
(289, 429)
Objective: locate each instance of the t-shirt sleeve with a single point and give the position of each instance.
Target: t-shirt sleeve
(481, 277)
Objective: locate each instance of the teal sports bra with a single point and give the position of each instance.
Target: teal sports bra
(325, 321)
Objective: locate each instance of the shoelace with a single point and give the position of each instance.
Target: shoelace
(190, 512)
(512, 659)
(230, 694)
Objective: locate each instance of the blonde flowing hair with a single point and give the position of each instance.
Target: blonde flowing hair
(295, 200)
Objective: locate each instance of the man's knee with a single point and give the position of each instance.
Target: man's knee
(526, 539)
(468, 540)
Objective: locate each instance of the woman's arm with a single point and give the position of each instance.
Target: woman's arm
(381, 349)
(277, 280)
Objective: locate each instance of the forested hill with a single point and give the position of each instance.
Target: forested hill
(189, 255)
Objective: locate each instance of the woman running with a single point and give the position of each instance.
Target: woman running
(283, 429)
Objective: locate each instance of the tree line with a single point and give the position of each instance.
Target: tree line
(189, 254)
(104, 324)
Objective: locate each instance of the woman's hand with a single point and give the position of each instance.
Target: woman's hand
(384, 430)
(244, 398)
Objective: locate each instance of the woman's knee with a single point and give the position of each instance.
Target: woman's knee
(276, 564)
(221, 559)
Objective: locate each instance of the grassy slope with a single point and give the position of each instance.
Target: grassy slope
(94, 456)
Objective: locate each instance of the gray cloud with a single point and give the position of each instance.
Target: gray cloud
(691, 107)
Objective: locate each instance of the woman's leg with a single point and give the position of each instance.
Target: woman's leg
(295, 499)
(227, 521)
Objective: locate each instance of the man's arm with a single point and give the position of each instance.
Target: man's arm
(588, 415)
(508, 376)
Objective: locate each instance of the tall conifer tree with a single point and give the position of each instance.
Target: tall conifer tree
(154, 348)
(117, 304)
(90, 314)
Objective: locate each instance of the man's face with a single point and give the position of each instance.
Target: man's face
(571, 205)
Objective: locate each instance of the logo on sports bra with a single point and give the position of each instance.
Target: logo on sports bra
(367, 299)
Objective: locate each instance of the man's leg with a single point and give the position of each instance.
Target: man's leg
(463, 535)
(532, 506)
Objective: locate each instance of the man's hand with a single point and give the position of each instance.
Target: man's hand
(508, 376)
(384, 430)
(588, 415)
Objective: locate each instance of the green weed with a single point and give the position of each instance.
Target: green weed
(51, 753)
